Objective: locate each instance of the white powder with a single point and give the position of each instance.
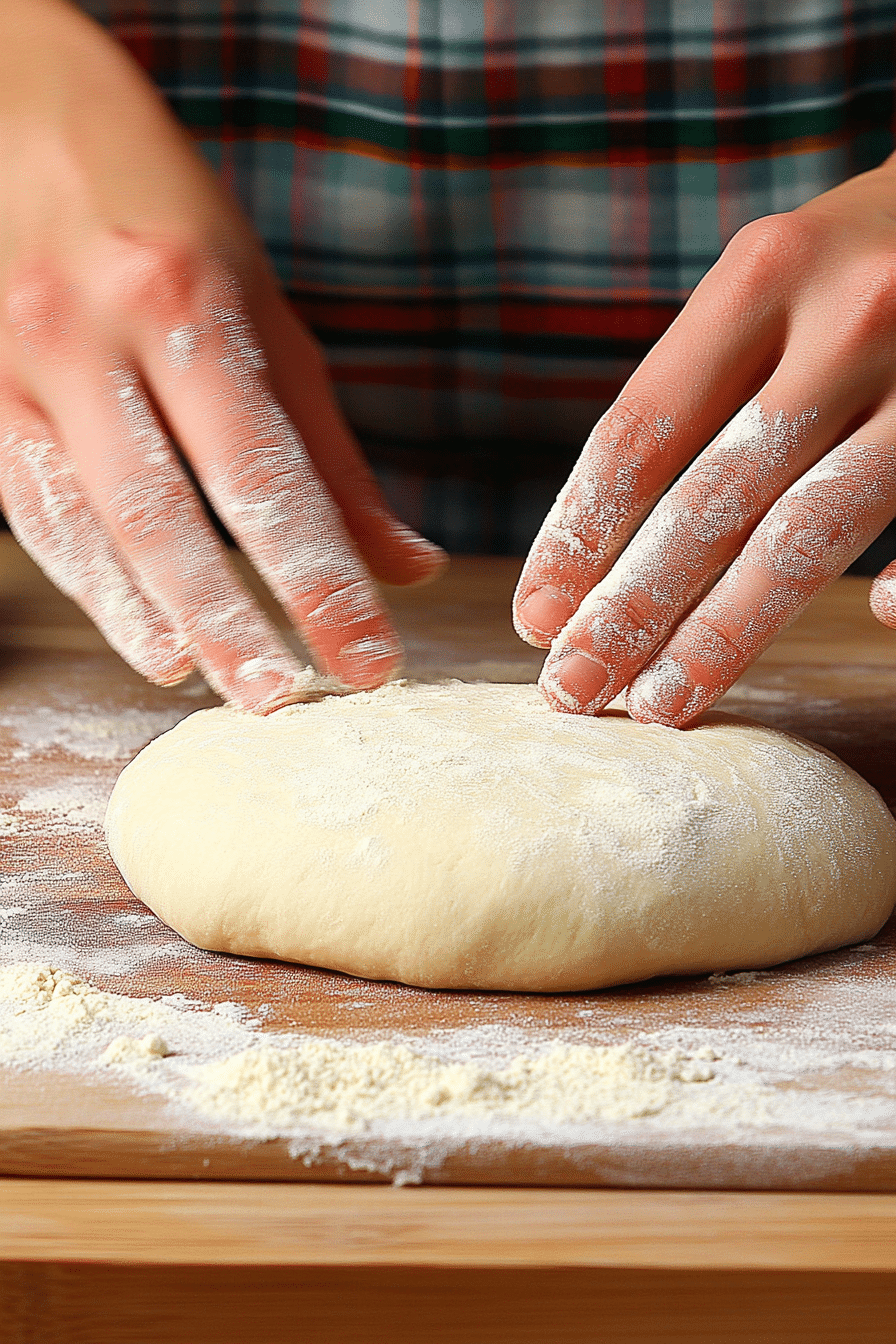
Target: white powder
(642, 564)
(86, 733)
(298, 1083)
(451, 1087)
(50, 1016)
(126, 1050)
(77, 805)
(347, 1087)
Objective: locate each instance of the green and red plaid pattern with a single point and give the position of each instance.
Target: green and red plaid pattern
(489, 209)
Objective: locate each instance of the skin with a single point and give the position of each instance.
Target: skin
(144, 343)
(672, 590)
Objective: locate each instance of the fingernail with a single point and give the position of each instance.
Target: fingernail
(575, 679)
(661, 693)
(431, 559)
(261, 684)
(175, 676)
(545, 612)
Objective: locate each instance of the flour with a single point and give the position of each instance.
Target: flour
(53, 520)
(795, 550)
(126, 1050)
(296, 1083)
(84, 732)
(685, 543)
(275, 504)
(347, 1087)
(76, 806)
(222, 1074)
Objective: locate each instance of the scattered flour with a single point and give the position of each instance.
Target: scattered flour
(285, 1084)
(347, 1087)
(128, 1050)
(75, 806)
(84, 732)
(224, 1072)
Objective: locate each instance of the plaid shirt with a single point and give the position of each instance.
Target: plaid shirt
(488, 211)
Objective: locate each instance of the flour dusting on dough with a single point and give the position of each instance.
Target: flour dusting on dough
(466, 836)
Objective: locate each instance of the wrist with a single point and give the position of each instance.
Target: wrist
(43, 46)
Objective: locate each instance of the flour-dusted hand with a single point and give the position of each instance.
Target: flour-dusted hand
(789, 339)
(144, 343)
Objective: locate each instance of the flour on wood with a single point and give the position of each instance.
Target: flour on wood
(223, 1074)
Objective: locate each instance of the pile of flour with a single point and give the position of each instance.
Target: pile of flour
(287, 1084)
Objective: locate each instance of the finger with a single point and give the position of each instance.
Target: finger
(51, 518)
(883, 596)
(714, 357)
(699, 526)
(395, 553)
(694, 531)
(811, 535)
(208, 372)
(143, 498)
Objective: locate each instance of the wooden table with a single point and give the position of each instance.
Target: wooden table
(120, 1260)
(116, 1263)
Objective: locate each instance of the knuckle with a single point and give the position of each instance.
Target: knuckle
(715, 504)
(568, 541)
(639, 611)
(157, 274)
(602, 501)
(145, 505)
(805, 538)
(872, 301)
(635, 423)
(772, 237)
(703, 633)
(349, 603)
(762, 249)
(626, 625)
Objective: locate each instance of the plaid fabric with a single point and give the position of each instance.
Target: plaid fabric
(489, 211)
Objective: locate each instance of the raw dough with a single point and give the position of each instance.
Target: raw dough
(467, 836)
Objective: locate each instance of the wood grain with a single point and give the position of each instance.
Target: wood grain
(133, 1222)
(135, 1263)
(102, 1304)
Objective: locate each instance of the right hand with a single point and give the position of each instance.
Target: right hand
(137, 310)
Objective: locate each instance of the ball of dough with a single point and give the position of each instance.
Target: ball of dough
(466, 836)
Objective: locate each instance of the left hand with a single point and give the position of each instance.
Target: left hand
(793, 334)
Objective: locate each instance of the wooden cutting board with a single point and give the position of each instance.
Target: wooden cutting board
(71, 715)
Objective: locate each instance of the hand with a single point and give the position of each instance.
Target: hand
(793, 334)
(137, 311)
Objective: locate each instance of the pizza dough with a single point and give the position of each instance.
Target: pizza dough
(467, 836)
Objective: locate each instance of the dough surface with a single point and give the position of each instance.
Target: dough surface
(466, 836)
